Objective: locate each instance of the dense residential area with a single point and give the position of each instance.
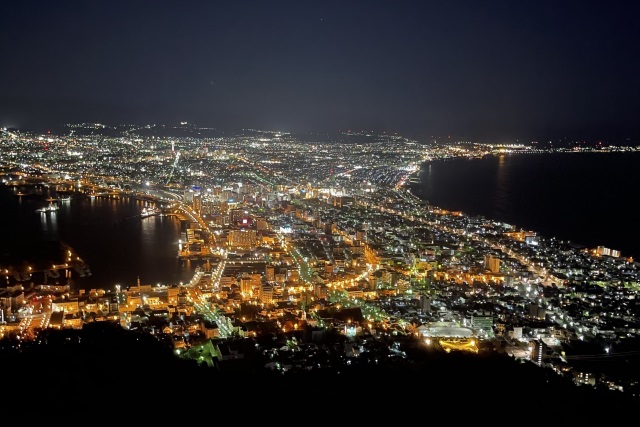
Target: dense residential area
(316, 261)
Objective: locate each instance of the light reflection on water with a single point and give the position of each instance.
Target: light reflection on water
(108, 234)
(582, 197)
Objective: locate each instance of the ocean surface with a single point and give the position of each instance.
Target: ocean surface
(586, 198)
(109, 235)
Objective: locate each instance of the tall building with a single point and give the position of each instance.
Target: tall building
(236, 215)
(492, 263)
(197, 203)
(270, 273)
(266, 294)
(425, 304)
(246, 286)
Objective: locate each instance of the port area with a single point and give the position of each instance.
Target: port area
(62, 265)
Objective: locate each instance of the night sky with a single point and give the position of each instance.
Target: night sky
(484, 70)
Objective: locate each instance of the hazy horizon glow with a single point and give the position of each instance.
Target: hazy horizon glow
(484, 70)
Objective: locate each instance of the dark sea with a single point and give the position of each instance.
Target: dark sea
(585, 198)
(117, 244)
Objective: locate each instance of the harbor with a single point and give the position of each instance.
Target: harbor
(50, 301)
(116, 239)
(65, 267)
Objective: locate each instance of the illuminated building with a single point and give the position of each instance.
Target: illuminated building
(246, 285)
(270, 274)
(492, 263)
(242, 238)
(425, 304)
(197, 203)
(266, 294)
(482, 320)
(236, 215)
(602, 250)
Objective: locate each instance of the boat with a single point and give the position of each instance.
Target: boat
(65, 199)
(49, 208)
(148, 211)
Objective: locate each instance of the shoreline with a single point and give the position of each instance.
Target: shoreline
(50, 239)
(413, 181)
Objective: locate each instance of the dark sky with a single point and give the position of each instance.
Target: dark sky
(499, 70)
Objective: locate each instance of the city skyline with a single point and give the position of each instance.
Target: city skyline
(209, 203)
(302, 259)
(487, 71)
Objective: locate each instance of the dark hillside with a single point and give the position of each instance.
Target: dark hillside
(103, 364)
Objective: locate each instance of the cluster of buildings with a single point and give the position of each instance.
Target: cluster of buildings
(308, 235)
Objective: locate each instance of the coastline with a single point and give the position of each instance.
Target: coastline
(604, 213)
(96, 233)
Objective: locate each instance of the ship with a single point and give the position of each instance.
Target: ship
(149, 211)
(52, 207)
